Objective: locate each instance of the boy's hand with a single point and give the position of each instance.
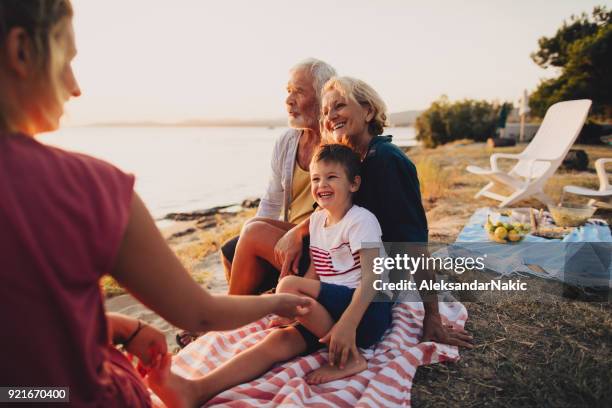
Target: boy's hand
(341, 344)
(292, 306)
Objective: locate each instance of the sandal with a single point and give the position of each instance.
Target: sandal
(185, 337)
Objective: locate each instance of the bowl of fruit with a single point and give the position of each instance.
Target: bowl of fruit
(504, 232)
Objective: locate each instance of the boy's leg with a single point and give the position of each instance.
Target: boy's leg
(280, 345)
(319, 322)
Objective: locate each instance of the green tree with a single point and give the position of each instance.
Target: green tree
(582, 50)
(446, 121)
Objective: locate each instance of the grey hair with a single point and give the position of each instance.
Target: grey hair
(321, 71)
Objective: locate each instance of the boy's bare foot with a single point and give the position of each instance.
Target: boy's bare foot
(329, 373)
(173, 390)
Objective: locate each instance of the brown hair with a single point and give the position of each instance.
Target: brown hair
(38, 18)
(341, 154)
(42, 20)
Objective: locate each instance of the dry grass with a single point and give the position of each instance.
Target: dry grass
(110, 287)
(203, 243)
(529, 352)
(433, 179)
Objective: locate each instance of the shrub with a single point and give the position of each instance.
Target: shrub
(592, 132)
(445, 122)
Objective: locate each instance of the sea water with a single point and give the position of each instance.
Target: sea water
(187, 168)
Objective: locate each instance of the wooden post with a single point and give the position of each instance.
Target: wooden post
(523, 110)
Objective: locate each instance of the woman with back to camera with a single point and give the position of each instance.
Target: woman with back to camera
(66, 219)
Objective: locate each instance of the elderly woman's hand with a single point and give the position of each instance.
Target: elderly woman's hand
(288, 251)
(434, 330)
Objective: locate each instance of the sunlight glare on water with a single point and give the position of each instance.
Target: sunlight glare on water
(185, 168)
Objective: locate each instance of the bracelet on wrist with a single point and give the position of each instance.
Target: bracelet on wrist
(125, 343)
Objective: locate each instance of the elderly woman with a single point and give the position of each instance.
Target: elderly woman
(67, 219)
(353, 113)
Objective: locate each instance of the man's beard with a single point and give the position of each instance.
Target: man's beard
(297, 123)
(301, 123)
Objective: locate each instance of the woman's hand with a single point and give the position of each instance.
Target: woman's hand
(291, 306)
(341, 343)
(288, 251)
(148, 344)
(434, 330)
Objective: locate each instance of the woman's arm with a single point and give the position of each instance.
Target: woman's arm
(139, 338)
(148, 268)
(120, 327)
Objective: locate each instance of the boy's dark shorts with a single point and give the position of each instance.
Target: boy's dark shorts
(336, 299)
(228, 249)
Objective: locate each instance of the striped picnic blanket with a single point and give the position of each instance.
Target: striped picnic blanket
(392, 364)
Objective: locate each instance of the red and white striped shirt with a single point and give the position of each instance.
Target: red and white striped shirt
(335, 249)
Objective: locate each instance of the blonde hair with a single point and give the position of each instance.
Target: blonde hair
(44, 21)
(363, 94)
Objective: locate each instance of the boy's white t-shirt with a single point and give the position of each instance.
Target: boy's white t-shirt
(335, 249)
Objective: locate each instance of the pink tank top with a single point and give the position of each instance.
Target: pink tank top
(62, 219)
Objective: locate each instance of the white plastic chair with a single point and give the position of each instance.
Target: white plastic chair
(540, 159)
(605, 189)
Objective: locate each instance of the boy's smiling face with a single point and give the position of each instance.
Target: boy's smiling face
(330, 185)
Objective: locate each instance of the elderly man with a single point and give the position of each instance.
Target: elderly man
(287, 200)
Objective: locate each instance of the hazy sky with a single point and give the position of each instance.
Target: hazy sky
(184, 59)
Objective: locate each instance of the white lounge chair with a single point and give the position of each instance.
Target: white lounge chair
(540, 159)
(601, 197)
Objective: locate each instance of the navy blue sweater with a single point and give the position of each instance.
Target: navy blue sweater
(390, 190)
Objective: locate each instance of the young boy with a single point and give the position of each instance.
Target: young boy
(343, 315)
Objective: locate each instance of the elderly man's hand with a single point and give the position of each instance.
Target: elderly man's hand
(288, 251)
(434, 330)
